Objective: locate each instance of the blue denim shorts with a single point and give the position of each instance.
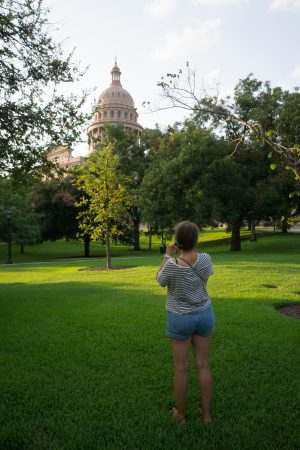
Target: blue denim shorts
(182, 327)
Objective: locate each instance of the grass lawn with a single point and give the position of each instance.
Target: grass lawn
(85, 364)
(48, 251)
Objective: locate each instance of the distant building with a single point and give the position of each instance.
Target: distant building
(63, 157)
(115, 105)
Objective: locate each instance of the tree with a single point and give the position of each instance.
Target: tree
(228, 185)
(25, 222)
(173, 186)
(34, 116)
(104, 190)
(54, 201)
(196, 175)
(273, 200)
(132, 163)
(183, 93)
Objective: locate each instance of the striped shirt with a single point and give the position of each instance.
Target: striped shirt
(186, 285)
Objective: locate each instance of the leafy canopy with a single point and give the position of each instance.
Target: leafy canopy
(104, 200)
(34, 115)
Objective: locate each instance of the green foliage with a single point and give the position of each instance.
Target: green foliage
(231, 186)
(288, 121)
(196, 175)
(257, 114)
(33, 115)
(105, 198)
(54, 201)
(171, 187)
(132, 160)
(132, 164)
(98, 178)
(24, 225)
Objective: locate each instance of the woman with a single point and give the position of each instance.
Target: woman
(190, 316)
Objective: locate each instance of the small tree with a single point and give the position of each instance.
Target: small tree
(104, 190)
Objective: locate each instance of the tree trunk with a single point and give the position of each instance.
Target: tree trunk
(22, 248)
(86, 246)
(136, 228)
(136, 234)
(249, 225)
(150, 238)
(108, 256)
(235, 245)
(253, 232)
(284, 225)
(162, 237)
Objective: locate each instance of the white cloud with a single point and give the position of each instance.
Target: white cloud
(158, 8)
(220, 2)
(296, 72)
(200, 37)
(285, 4)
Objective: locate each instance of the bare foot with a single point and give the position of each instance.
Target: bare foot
(205, 416)
(179, 417)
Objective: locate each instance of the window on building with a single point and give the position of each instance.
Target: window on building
(105, 114)
(112, 114)
(130, 116)
(119, 114)
(125, 114)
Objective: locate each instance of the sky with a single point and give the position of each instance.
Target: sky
(223, 41)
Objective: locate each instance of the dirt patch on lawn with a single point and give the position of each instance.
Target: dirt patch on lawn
(101, 269)
(290, 310)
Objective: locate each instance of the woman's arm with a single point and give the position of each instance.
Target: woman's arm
(169, 253)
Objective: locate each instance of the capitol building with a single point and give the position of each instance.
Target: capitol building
(115, 106)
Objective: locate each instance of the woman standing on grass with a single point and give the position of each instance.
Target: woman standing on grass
(190, 316)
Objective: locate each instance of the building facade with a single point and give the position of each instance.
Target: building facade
(62, 156)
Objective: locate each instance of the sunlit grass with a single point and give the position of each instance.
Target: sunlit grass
(74, 249)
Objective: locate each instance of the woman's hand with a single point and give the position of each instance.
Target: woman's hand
(169, 253)
(171, 249)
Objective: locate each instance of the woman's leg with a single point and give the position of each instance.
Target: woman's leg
(201, 347)
(180, 351)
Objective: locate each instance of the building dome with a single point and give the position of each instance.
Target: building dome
(115, 95)
(115, 105)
